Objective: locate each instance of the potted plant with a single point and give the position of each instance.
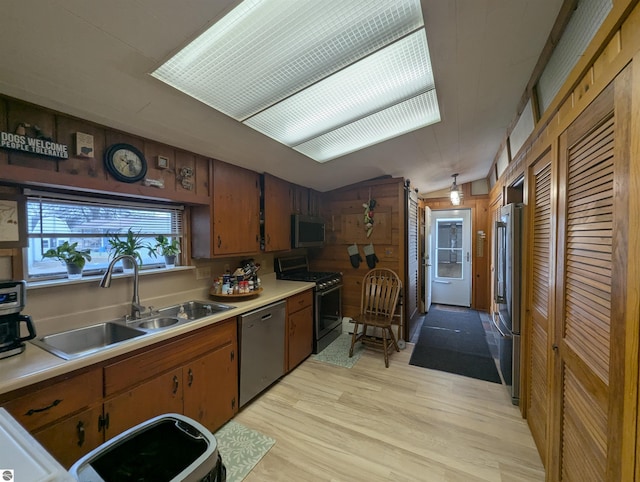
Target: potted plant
(130, 244)
(167, 248)
(71, 256)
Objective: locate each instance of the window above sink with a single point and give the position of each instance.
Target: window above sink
(53, 219)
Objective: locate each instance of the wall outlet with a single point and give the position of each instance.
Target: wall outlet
(203, 273)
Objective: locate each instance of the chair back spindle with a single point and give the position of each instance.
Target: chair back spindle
(380, 293)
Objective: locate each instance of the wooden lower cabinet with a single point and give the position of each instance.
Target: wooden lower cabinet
(196, 375)
(210, 391)
(162, 394)
(63, 414)
(299, 328)
(73, 437)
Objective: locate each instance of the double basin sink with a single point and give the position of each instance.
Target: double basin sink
(80, 342)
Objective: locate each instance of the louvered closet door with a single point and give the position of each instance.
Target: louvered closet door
(589, 375)
(542, 256)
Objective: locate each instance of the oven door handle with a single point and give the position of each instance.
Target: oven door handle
(323, 293)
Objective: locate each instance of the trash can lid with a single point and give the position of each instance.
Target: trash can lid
(170, 447)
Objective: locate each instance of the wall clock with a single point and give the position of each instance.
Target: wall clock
(125, 162)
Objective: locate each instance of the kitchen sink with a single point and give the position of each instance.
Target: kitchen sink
(90, 339)
(194, 310)
(72, 344)
(157, 323)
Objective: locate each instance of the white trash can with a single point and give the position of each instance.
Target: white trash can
(167, 448)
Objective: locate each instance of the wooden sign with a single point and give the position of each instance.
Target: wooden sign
(33, 145)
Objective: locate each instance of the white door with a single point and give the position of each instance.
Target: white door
(427, 258)
(451, 257)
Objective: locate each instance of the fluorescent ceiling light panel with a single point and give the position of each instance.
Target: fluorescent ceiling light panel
(407, 116)
(381, 80)
(298, 70)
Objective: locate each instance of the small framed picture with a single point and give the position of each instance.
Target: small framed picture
(84, 145)
(163, 162)
(13, 221)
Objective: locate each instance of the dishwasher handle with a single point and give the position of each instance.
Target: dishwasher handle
(266, 317)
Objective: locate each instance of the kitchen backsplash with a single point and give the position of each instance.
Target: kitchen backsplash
(72, 305)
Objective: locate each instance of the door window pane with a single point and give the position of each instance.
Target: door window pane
(449, 248)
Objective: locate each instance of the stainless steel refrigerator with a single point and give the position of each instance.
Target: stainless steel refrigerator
(507, 292)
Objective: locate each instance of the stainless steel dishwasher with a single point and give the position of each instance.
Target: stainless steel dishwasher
(261, 349)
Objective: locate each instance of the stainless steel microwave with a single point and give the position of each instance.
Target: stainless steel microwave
(306, 231)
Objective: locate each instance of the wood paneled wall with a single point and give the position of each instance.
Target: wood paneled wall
(89, 174)
(343, 213)
(581, 312)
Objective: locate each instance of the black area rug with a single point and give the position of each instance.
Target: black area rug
(454, 341)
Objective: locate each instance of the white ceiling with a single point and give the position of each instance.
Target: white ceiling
(92, 59)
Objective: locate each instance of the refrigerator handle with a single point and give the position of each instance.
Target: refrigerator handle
(500, 271)
(502, 333)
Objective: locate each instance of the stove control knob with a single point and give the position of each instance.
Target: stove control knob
(322, 285)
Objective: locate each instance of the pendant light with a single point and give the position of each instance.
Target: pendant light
(455, 194)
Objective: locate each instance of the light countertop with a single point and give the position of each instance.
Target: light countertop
(36, 365)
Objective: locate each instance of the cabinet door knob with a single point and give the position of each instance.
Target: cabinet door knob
(103, 422)
(80, 429)
(219, 241)
(175, 384)
(554, 347)
(190, 376)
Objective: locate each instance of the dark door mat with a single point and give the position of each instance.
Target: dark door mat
(454, 342)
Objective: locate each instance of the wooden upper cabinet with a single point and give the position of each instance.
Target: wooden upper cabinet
(314, 202)
(231, 224)
(299, 199)
(277, 214)
(235, 210)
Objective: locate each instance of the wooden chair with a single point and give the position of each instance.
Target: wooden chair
(380, 291)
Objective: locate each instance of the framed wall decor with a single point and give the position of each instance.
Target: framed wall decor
(162, 162)
(125, 162)
(13, 221)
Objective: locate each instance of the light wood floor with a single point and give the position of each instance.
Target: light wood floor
(403, 423)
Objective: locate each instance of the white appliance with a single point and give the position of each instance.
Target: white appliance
(23, 459)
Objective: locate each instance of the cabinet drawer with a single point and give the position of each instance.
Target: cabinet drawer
(53, 402)
(300, 301)
(153, 361)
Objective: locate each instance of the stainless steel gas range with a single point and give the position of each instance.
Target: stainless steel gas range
(327, 302)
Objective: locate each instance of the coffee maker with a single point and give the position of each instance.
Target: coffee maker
(13, 296)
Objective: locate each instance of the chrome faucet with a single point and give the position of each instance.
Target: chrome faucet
(136, 308)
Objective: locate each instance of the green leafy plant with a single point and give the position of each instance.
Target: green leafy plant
(166, 247)
(69, 254)
(130, 244)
